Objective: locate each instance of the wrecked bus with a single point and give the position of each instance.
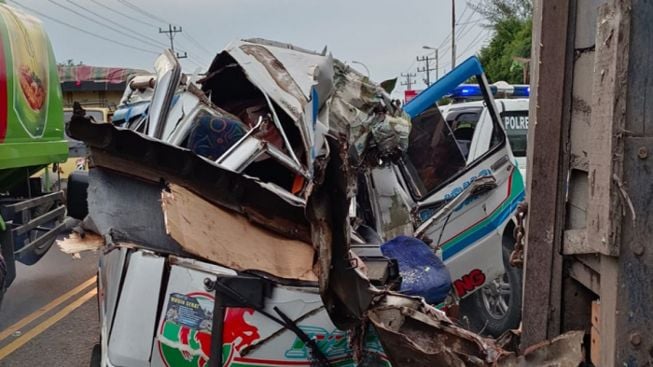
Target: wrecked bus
(284, 209)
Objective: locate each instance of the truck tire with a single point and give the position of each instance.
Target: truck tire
(96, 356)
(77, 202)
(496, 308)
(3, 276)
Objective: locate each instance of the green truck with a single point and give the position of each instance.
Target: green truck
(32, 141)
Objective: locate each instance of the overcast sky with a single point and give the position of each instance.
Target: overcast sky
(384, 35)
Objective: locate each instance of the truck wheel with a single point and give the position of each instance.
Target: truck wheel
(3, 276)
(77, 202)
(96, 355)
(496, 307)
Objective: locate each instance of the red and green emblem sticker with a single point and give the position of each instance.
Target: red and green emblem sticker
(185, 334)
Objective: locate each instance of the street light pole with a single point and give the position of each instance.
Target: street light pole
(437, 66)
(453, 34)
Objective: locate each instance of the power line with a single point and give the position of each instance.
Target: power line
(465, 25)
(464, 30)
(104, 25)
(156, 18)
(198, 44)
(478, 39)
(475, 21)
(83, 30)
(463, 13)
(122, 14)
(155, 41)
(142, 11)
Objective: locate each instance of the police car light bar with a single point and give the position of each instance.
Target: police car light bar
(468, 91)
(521, 91)
(473, 90)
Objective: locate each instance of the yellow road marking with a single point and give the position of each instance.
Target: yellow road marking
(43, 310)
(38, 329)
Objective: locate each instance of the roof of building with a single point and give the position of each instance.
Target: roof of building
(95, 78)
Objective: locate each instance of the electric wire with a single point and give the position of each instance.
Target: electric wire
(473, 43)
(121, 13)
(156, 18)
(197, 44)
(83, 30)
(155, 41)
(144, 12)
(105, 25)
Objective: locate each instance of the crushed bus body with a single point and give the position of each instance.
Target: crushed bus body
(282, 209)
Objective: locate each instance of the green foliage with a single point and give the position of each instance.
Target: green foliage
(496, 11)
(512, 39)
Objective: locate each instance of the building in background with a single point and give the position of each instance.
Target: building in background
(94, 86)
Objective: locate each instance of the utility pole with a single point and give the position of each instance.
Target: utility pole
(409, 80)
(453, 34)
(171, 35)
(426, 69)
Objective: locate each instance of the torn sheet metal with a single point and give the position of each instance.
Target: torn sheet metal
(415, 334)
(316, 93)
(298, 81)
(152, 161)
(414, 337)
(228, 239)
(362, 110)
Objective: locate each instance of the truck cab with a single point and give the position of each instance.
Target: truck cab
(31, 138)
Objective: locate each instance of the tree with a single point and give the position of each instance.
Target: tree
(496, 11)
(512, 39)
(511, 21)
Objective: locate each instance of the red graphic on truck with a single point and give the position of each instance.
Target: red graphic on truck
(185, 333)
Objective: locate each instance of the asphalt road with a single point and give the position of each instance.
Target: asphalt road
(49, 316)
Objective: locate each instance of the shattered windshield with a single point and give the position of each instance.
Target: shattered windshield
(434, 153)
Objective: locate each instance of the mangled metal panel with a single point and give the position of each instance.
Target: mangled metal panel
(318, 94)
(152, 161)
(299, 82)
(168, 72)
(416, 334)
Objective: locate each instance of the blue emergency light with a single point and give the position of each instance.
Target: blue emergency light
(521, 91)
(469, 91)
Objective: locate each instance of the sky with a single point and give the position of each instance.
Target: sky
(386, 36)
